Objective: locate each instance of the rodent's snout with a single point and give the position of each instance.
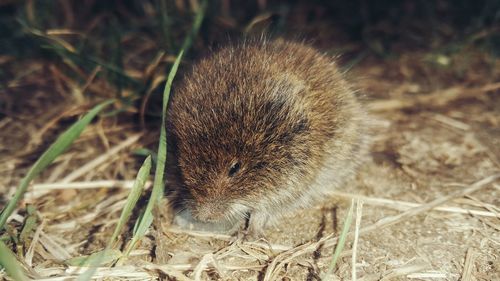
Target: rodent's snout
(210, 212)
(216, 211)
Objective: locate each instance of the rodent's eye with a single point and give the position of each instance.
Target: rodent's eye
(234, 168)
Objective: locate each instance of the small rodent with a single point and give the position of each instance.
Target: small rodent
(263, 128)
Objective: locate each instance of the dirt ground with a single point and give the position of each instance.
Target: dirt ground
(429, 189)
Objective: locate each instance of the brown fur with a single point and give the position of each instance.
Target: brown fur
(283, 111)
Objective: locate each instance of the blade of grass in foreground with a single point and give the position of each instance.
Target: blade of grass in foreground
(196, 26)
(10, 263)
(132, 198)
(341, 243)
(146, 218)
(108, 255)
(56, 149)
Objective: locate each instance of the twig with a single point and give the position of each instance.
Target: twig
(404, 271)
(403, 205)
(202, 265)
(436, 99)
(57, 251)
(468, 265)
(84, 185)
(31, 250)
(359, 212)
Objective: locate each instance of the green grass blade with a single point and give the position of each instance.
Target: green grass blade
(10, 263)
(341, 242)
(165, 25)
(30, 224)
(162, 146)
(56, 149)
(101, 257)
(133, 197)
(147, 217)
(141, 227)
(196, 27)
(109, 255)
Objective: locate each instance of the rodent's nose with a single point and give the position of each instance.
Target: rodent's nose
(209, 212)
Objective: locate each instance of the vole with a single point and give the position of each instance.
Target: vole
(261, 129)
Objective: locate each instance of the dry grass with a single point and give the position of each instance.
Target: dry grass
(428, 204)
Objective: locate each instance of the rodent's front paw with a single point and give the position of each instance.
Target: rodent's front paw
(253, 229)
